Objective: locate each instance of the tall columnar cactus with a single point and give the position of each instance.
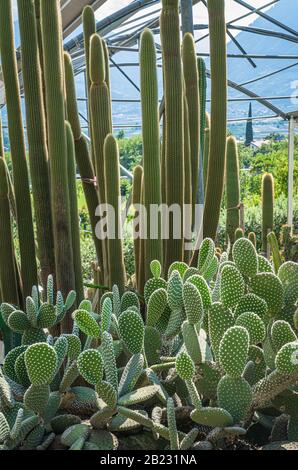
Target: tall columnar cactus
(74, 213)
(17, 145)
(82, 153)
(188, 184)
(232, 189)
(8, 279)
(267, 207)
(36, 132)
(191, 77)
(151, 145)
(136, 201)
(117, 273)
(203, 122)
(218, 132)
(174, 146)
(53, 70)
(206, 156)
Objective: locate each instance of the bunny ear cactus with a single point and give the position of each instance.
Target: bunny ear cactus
(87, 324)
(254, 325)
(245, 257)
(281, 334)
(129, 299)
(186, 370)
(106, 315)
(251, 303)
(156, 306)
(200, 283)
(41, 363)
(152, 285)
(131, 327)
(233, 351)
(175, 291)
(220, 320)
(206, 254)
(179, 266)
(288, 275)
(269, 287)
(228, 389)
(90, 365)
(232, 287)
(193, 304)
(286, 360)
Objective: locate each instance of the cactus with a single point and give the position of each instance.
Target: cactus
(286, 359)
(253, 238)
(232, 189)
(18, 152)
(156, 306)
(37, 138)
(87, 324)
(131, 329)
(254, 325)
(90, 366)
(267, 207)
(269, 288)
(36, 398)
(41, 363)
(191, 78)
(245, 257)
(151, 144)
(277, 261)
(174, 144)
(288, 274)
(136, 201)
(53, 68)
(230, 387)
(117, 273)
(281, 334)
(217, 154)
(232, 287)
(193, 304)
(233, 351)
(220, 320)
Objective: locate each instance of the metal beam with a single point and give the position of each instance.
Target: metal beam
(72, 13)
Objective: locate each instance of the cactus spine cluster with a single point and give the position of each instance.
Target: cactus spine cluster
(17, 144)
(218, 130)
(232, 189)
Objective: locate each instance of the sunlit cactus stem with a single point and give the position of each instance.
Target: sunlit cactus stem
(218, 131)
(17, 147)
(174, 146)
(53, 70)
(136, 201)
(232, 189)
(267, 208)
(36, 133)
(117, 275)
(151, 146)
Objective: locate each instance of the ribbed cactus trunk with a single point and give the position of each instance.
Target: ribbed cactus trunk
(136, 201)
(82, 154)
(267, 208)
(36, 133)
(17, 147)
(151, 147)
(89, 28)
(100, 107)
(203, 96)
(191, 77)
(206, 156)
(117, 275)
(218, 132)
(8, 278)
(53, 70)
(188, 194)
(174, 142)
(232, 189)
(74, 214)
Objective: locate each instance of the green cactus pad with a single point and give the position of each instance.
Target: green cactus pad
(152, 345)
(41, 363)
(129, 299)
(245, 257)
(152, 285)
(90, 365)
(6, 395)
(31, 311)
(131, 327)
(87, 324)
(234, 396)
(193, 303)
(256, 356)
(109, 360)
(72, 434)
(131, 374)
(191, 272)
(220, 320)
(178, 266)
(155, 268)
(46, 316)
(269, 287)
(10, 360)
(174, 325)
(86, 305)
(74, 346)
(281, 334)
(21, 370)
(232, 287)
(192, 342)
(106, 314)
(213, 417)
(286, 360)
(288, 274)
(185, 366)
(264, 265)
(4, 428)
(61, 348)
(104, 440)
(70, 300)
(18, 321)
(33, 335)
(60, 423)
(203, 289)
(175, 288)
(212, 269)
(251, 303)
(107, 393)
(141, 395)
(156, 306)
(255, 326)
(233, 351)
(206, 254)
(36, 398)
(6, 310)
(172, 425)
